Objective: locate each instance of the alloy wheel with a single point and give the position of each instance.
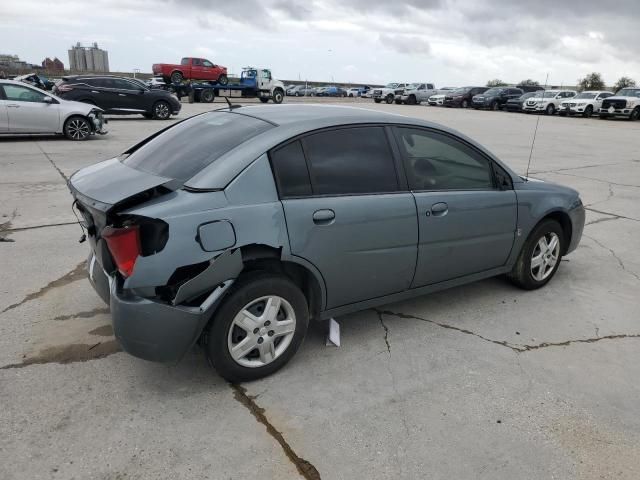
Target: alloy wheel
(162, 110)
(261, 331)
(78, 129)
(545, 256)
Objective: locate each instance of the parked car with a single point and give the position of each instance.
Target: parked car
(625, 103)
(416, 93)
(515, 104)
(585, 103)
(191, 68)
(237, 227)
(547, 101)
(437, 99)
(39, 81)
(292, 89)
(367, 93)
(306, 92)
(462, 96)
(388, 92)
(495, 98)
(353, 92)
(25, 109)
(120, 96)
(331, 91)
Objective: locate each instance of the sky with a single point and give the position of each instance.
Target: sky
(446, 42)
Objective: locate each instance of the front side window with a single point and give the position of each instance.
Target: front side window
(123, 85)
(197, 62)
(435, 161)
(350, 161)
(207, 63)
(19, 93)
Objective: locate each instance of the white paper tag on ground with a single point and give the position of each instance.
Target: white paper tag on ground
(333, 338)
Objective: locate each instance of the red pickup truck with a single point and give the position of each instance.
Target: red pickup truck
(191, 69)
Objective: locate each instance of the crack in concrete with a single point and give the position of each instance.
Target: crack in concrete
(518, 348)
(5, 227)
(21, 229)
(76, 352)
(86, 314)
(305, 468)
(631, 185)
(66, 180)
(613, 253)
(386, 332)
(78, 273)
(580, 167)
(610, 214)
(600, 220)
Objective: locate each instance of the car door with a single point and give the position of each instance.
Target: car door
(4, 118)
(127, 96)
(346, 213)
(466, 222)
(28, 112)
(197, 72)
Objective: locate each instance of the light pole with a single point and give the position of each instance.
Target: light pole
(135, 70)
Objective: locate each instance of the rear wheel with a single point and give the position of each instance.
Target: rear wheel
(77, 128)
(258, 328)
(223, 79)
(207, 96)
(161, 110)
(465, 104)
(377, 100)
(176, 77)
(495, 106)
(540, 257)
(411, 100)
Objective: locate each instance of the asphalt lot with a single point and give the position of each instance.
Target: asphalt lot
(480, 382)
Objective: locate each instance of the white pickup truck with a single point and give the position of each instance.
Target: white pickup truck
(388, 92)
(416, 93)
(625, 103)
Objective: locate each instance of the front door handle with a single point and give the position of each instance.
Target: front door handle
(122, 95)
(13, 105)
(439, 209)
(324, 217)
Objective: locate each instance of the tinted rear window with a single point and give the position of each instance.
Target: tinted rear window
(184, 150)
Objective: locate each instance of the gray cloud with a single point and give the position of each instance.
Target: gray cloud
(294, 10)
(406, 44)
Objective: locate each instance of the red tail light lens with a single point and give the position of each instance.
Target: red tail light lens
(124, 245)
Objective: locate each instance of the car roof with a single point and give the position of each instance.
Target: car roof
(291, 120)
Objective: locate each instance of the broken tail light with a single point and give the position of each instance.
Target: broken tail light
(124, 245)
(65, 87)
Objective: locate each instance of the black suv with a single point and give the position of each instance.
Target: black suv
(462, 96)
(117, 95)
(495, 98)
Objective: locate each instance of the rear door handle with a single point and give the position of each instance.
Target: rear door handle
(94, 91)
(122, 94)
(439, 209)
(13, 105)
(324, 217)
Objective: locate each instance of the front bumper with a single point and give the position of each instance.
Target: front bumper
(618, 112)
(577, 216)
(150, 329)
(538, 107)
(98, 121)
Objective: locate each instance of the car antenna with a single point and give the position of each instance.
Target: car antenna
(231, 107)
(535, 132)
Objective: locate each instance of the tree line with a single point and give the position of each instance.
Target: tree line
(592, 81)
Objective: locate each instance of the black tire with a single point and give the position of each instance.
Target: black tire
(253, 287)
(176, 77)
(550, 110)
(398, 101)
(377, 100)
(465, 103)
(77, 128)
(495, 106)
(264, 99)
(161, 110)
(277, 96)
(635, 115)
(588, 111)
(389, 99)
(562, 114)
(296, 94)
(521, 274)
(223, 79)
(207, 95)
(411, 100)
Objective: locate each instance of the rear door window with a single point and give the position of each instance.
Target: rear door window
(183, 150)
(290, 169)
(355, 160)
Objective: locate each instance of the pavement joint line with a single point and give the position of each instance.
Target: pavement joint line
(305, 468)
(21, 229)
(599, 180)
(386, 332)
(580, 167)
(66, 180)
(613, 253)
(518, 348)
(78, 273)
(611, 214)
(600, 220)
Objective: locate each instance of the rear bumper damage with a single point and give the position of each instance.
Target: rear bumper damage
(155, 330)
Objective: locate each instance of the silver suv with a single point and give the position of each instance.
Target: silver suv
(236, 227)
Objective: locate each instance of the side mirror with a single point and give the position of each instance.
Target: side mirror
(47, 99)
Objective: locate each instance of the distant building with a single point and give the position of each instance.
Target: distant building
(88, 59)
(13, 62)
(54, 65)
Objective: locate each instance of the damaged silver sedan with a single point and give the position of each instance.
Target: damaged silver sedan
(238, 226)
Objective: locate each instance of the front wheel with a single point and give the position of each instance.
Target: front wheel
(161, 110)
(635, 115)
(389, 99)
(277, 96)
(550, 110)
(540, 257)
(258, 328)
(588, 111)
(77, 128)
(223, 79)
(495, 106)
(465, 104)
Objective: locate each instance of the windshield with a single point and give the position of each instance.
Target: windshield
(460, 91)
(413, 86)
(184, 150)
(493, 91)
(392, 85)
(588, 95)
(629, 92)
(547, 94)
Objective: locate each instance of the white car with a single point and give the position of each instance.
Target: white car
(353, 92)
(547, 101)
(416, 93)
(28, 110)
(388, 92)
(625, 103)
(585, 103)
(438, 98)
